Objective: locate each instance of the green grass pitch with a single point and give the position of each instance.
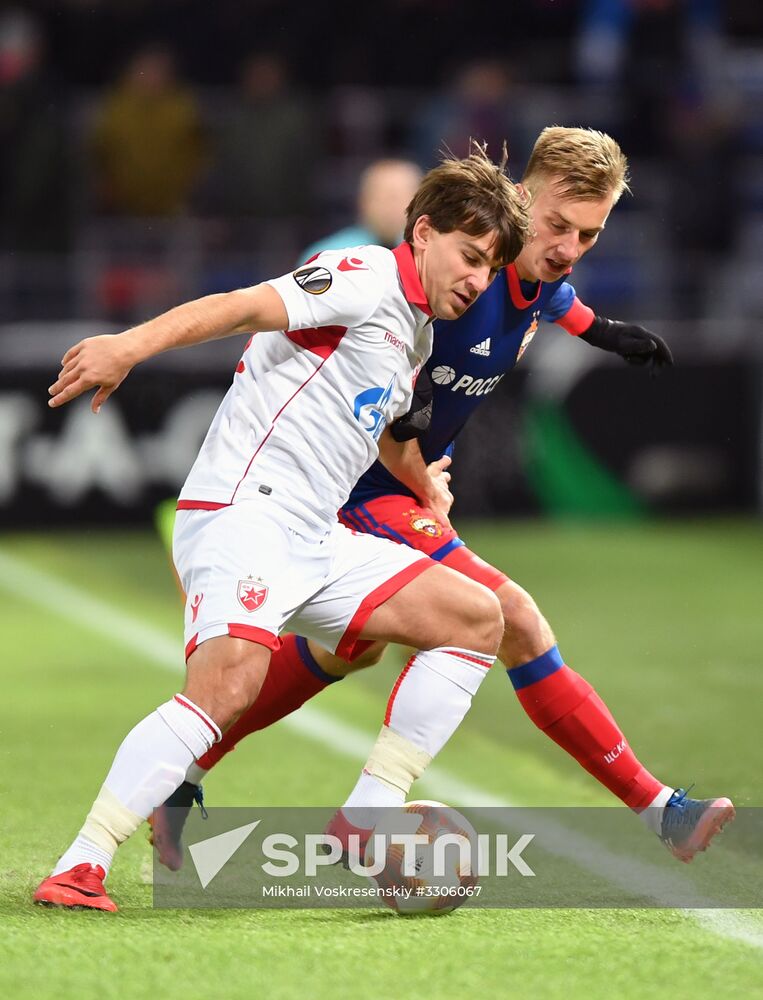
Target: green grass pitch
(664, 619)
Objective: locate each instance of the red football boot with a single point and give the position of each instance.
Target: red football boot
(81, 888)
(352, 838)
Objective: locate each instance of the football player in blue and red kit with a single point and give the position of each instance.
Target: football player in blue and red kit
(574, 178)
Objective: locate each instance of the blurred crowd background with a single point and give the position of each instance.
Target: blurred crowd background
(152, 152)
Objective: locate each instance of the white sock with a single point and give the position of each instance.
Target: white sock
(433, 694)
(84, 850)
(149, 765)
(368, 796)
(652, 815)
(195, 774)
(431, 697)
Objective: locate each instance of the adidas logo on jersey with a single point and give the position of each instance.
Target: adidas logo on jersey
(483, 348)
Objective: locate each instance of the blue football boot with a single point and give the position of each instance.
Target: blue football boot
(688, 825)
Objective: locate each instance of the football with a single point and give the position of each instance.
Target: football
(434, 876)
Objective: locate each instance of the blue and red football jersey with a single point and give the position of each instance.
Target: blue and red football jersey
(472, 354)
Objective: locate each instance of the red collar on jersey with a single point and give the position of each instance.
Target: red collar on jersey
(515, 289)
(412, 287)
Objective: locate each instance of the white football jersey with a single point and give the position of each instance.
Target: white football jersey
(301, 422)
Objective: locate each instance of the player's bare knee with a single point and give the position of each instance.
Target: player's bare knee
(369, 658)
(239, 688)
(226, 681)
(484, 627)
(336, 666)
(230, 698)
(527, 634)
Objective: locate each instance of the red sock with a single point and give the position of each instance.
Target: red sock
(566, 708)
(293, 678)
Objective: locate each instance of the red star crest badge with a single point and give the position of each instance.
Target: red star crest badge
(252, 594)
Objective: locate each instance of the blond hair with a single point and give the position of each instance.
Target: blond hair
(587, 165)
(476, 196)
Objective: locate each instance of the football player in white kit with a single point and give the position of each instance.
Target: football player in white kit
(257, 544)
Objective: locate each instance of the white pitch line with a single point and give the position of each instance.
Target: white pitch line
(67, 601)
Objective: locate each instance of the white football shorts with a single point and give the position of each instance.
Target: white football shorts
(249, 573)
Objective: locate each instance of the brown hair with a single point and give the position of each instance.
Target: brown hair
(588, 165)
(475, 196)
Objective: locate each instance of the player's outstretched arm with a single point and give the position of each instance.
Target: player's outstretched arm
(104, 362)
(429, 482)
(636, 344)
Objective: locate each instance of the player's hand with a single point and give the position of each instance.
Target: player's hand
(100, 362)
(440, 499)
(640, 346)
(636, 344)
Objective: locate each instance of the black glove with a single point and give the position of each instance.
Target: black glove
(637, 345)
(416, 421)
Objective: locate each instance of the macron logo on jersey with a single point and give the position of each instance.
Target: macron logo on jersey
(352, 264)
(397, 342)
(483, 348)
